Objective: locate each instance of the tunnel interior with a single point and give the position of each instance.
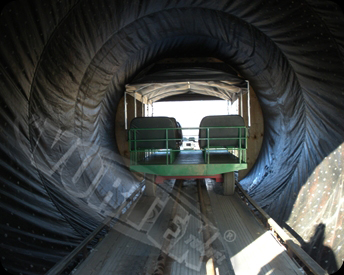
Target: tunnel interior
(64, 67)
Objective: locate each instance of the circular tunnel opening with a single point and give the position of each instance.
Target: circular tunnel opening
(174, 67)
(63, 74)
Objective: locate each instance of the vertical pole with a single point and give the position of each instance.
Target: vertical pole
(208, 144)
(130, 149)
(166, 134)
(240, 152)
(135, 146)
(143, 108)
(135, 111)
(248, 104)
(241, 106)
(125, 111)
(246, 134)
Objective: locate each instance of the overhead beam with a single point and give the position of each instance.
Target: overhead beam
(138, 96)
(189, 97)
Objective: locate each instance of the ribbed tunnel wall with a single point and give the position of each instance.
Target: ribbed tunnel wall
(63, 68)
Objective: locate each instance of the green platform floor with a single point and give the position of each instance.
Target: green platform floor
(189, 163)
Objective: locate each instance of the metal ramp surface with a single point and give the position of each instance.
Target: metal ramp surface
(240, 246)
(251, 248)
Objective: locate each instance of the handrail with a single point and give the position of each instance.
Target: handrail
(134, 150)
(290, 243)
(188, 128)
(164, 139)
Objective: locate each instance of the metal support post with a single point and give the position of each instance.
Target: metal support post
(125, 112)
(248, 104)
(135, 111)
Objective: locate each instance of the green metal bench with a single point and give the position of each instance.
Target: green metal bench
(224, 132)
(163, 156)
(149, 135)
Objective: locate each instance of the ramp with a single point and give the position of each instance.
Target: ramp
(172, 225)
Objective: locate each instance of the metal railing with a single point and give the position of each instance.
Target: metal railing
(138, 153)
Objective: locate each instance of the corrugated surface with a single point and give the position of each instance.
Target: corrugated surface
(252, 250)
(189, 250)
(134, 244)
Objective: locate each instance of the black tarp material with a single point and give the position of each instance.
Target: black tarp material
(63, 69)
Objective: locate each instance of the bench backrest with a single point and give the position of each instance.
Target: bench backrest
(154, 122)
(223, 120)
